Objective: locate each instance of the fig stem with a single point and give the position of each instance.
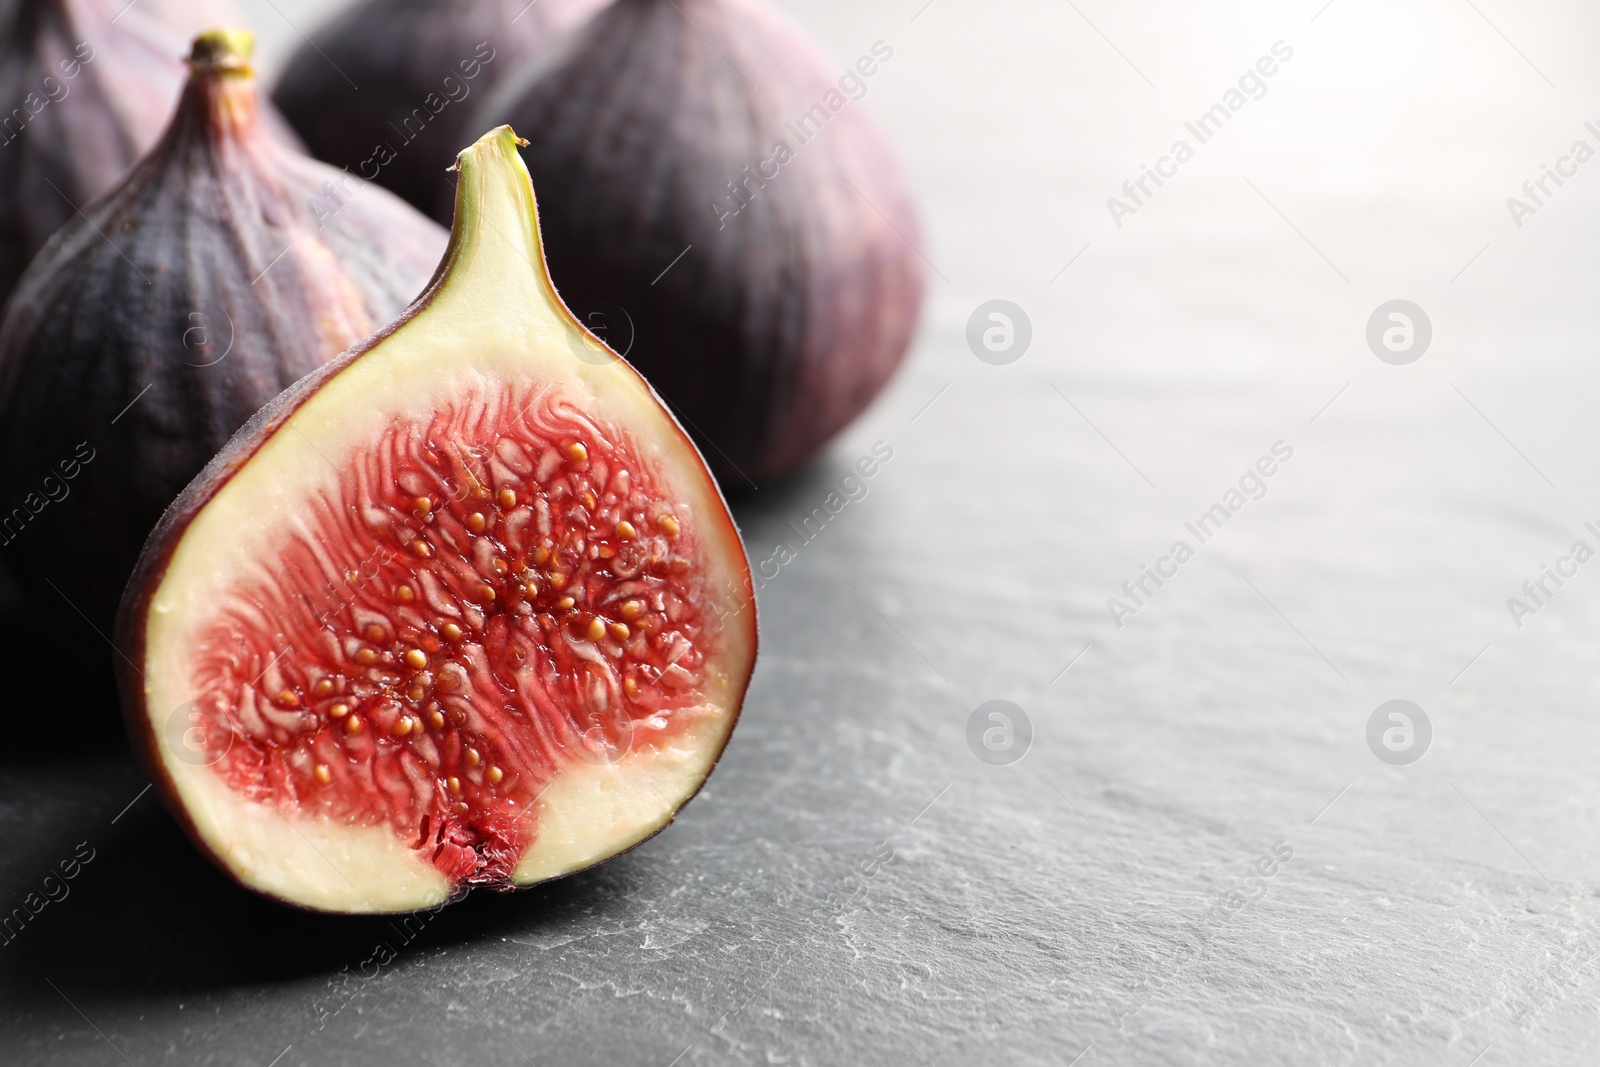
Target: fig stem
(224, 51)
(495, 208)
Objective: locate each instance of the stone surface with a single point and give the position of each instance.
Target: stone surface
(855, 885)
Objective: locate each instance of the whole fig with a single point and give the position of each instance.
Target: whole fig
(90, 84)
(223, 268)
(713, 188)
(382, 89)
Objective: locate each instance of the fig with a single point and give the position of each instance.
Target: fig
(713, 192)
(463, 607)
(223, 268)
(382, 89)
(89, 84)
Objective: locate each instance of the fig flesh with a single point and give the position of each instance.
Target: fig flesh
(383, 89)
(710, 189)
(90, 84)
(463, 607)
(224, 267)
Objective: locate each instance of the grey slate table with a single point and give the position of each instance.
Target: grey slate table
(1199, 857)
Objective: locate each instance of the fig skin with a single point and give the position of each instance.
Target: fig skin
(113, 73)
(467, 280)
(223, 268)
(411, 59)
(783, 320)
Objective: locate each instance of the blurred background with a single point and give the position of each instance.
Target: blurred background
(1204, 840)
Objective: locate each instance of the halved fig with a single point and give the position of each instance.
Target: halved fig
(462, 607)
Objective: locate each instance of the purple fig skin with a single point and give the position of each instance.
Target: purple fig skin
(418, 63)
(783, 319)
(90, 83)
(224, 267)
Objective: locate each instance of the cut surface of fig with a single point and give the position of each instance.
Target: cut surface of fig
(462, 608)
